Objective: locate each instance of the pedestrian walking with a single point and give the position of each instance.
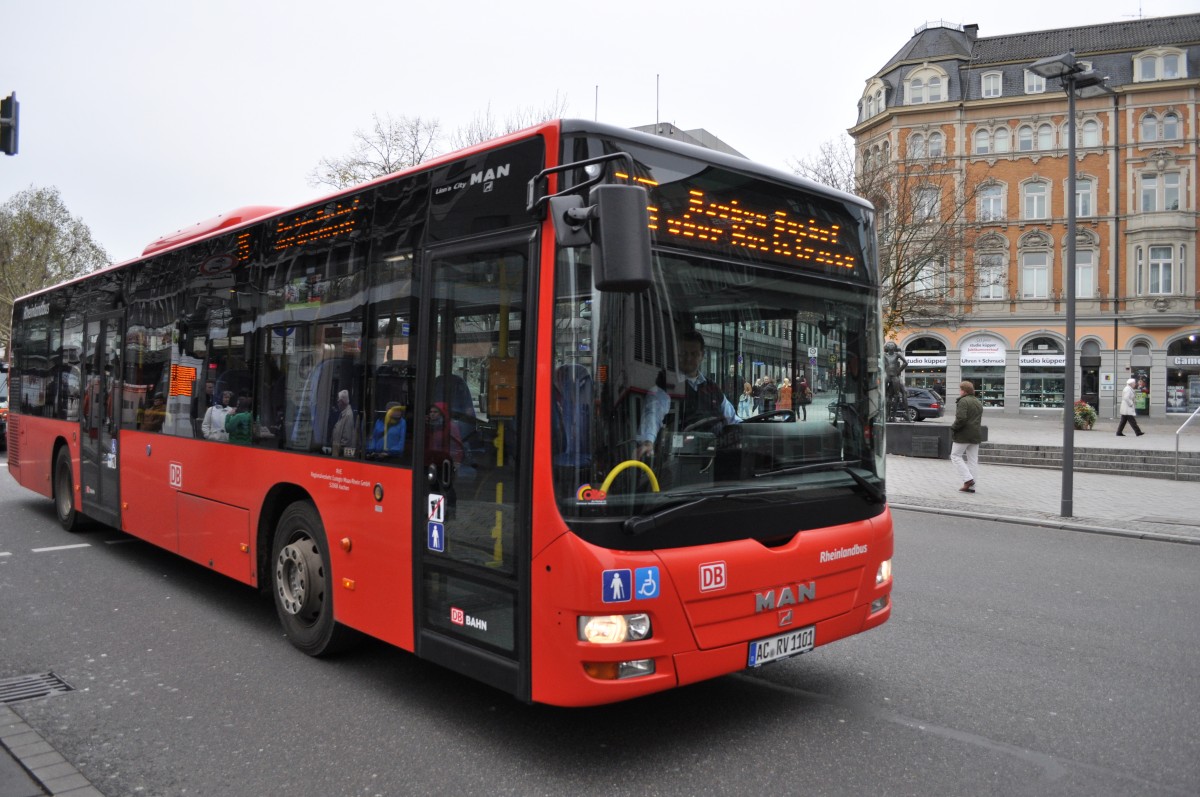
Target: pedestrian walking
(967, 432)
(1128, 411)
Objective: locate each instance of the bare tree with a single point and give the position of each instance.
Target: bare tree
(40, 244)
(484, 127)
(922, 229)
(397, 143)
(392, 144)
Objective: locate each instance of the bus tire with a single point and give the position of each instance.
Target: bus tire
(302, 584)
(64, 491)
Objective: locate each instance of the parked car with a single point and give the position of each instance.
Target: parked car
(923, 403)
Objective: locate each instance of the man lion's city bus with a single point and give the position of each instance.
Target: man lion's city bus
(482, 409)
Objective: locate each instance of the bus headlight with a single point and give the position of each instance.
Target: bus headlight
(611, 629)
(884, 573)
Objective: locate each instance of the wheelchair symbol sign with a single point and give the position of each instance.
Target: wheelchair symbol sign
(647, 582)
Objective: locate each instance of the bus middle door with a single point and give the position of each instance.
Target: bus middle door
(471, 545)
(99, 420)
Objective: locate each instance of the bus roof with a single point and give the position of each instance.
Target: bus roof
(250, 214)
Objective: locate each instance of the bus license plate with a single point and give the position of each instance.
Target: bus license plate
(793, 643)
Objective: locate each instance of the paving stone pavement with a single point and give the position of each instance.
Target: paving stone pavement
(1106, 503)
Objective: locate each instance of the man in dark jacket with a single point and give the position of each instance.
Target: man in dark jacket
(967, 433)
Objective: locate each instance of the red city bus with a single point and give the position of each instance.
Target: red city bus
(487, 410)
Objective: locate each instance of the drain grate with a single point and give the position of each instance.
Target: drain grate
(27, 687)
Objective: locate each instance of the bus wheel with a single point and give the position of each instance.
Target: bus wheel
(301, 582)
(64, 491)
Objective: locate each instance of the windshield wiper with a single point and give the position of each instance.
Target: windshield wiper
(818, 467)
(640, 524)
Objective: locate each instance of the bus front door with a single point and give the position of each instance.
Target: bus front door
(98, 419)
(471, 549)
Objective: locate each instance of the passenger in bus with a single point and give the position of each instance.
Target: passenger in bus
(442, 438)
(703, 398)
(155, 414)
(444, 453)
(387, 439)
(213, 425)
(344, 439)
(240, 423)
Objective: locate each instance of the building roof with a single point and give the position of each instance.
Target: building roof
(1132, 34)
(941, 41)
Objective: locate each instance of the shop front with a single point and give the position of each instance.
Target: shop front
(1183, 375)
(983, 358)
(1043, 366)
(1139, 368)
(926, 358)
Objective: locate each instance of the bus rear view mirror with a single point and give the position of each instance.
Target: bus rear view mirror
(617, 225)
(620, 238)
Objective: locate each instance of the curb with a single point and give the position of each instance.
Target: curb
(33, 756)
(1065, 525)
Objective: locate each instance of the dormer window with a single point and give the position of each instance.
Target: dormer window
(926, 84)
(1159, 64)
(991, 84)
(1034, 84)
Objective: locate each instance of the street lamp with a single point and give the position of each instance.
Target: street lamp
(1073, 77)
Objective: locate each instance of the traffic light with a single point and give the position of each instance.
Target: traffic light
(9, 113)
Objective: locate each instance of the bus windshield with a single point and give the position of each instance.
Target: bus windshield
(729, 390)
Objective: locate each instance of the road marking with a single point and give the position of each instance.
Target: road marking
(62, 547)
(5, 553)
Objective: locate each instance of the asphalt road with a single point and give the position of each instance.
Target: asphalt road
(1019, 661)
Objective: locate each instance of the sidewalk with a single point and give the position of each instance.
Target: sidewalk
(1131, 505)
(30, 767)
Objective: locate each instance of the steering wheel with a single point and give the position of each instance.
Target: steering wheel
(774, 416)
(703, 424)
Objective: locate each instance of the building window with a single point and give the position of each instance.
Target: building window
(1161, 64)
(916, 146)
(930, 279)
(1171, 191)
(1035, 275)
(933, 89)
(991, 277)
(1034, 84)
(1034, 204)
(1000, 140)
(927, 204)
(1159, 191)
(1085, 274)
(1160, 270)
(1149, 195)
(1149, 127)
(1025, 138)
(916, 92)
(983, 142)
(990, 84)
(1045, 137)
(991, 203)
(937, 145)
(1089, 133)
(1085, 197)
(1170, 127)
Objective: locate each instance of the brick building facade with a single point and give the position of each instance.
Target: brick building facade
(968, 107)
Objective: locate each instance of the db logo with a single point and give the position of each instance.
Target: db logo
(589, 493)
(458, 616)
(176, 474)
(712, 576)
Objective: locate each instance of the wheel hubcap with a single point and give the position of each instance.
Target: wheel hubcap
(299, 578)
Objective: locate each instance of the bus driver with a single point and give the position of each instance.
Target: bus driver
(703, 398)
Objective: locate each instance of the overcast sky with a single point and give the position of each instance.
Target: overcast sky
(151, 116)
